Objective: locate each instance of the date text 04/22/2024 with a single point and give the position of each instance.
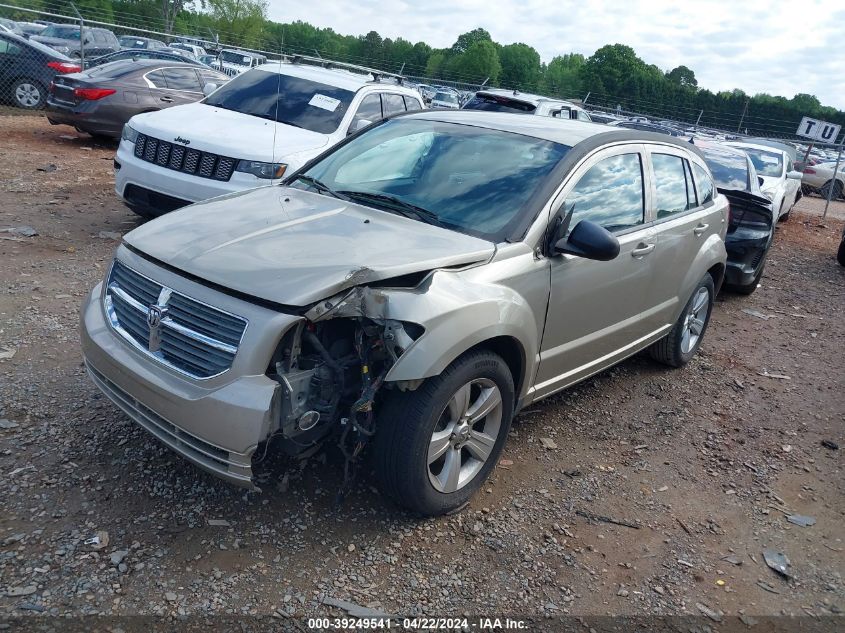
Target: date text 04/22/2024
(418, 624)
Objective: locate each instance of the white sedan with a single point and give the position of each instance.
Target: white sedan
(779, 180)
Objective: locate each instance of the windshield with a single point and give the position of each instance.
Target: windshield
(766, 163)
(730, 168)
(230, 57)
(473, 180)
(61, 32)
(492, 103)
(289, 100)
(448, 97)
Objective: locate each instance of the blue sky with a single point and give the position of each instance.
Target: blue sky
(779, 47)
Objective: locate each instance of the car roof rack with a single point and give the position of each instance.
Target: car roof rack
(378, 75)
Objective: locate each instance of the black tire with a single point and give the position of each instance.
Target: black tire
(840, 254)
(785, 216)
(407, 423)
(669, 350)
(28, 94)
(837, 190)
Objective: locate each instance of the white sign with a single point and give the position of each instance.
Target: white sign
(324, 102)
(820, 131)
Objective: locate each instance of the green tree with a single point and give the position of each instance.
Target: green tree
(682, 76)
(466, 40)
(562, 75)
(479, 62)
(520, 67)
(240, 22)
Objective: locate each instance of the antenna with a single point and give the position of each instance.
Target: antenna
(276, 115)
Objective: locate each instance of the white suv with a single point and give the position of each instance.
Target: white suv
(234, 62)
(499, 100)
(248, 133)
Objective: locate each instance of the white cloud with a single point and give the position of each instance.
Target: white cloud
(770, 46)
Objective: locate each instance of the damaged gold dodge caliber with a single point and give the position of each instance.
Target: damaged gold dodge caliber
(406, 293)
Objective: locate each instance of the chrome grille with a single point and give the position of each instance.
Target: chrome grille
(178, 158)
(192, 337)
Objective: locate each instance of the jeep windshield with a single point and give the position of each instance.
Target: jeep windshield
(290, 100)
(239, 59)
(474, 180)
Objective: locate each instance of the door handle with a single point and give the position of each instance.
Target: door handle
(167, 99)
(642, 249)
(700, 228)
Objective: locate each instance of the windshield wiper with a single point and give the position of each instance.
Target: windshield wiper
(319, 186)
(393, 203)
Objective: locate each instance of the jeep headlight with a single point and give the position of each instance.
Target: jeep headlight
(261, 170)
(129, 133)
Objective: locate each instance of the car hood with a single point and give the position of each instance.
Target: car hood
(228, 133)
(294, 247)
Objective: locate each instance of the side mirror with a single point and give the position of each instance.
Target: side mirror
(358, 124)
(590, 241)
(794, 175)
(207, 89)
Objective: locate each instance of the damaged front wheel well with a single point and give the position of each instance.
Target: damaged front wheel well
(511, 352)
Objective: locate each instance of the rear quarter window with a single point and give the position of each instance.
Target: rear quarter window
(703, 184)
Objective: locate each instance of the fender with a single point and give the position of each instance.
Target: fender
(456, 317)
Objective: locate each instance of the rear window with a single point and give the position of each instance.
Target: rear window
(766, 163)
(495, 103)
(113, 69)
(290, 100)
(730, 169)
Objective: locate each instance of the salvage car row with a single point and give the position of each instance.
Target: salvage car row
(407, 279)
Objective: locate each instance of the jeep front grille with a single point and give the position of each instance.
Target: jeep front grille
(180, 158)
(190, 336)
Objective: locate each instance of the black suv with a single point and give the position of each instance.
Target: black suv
(65, 38)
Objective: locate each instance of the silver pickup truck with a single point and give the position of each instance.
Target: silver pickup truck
(407, 293)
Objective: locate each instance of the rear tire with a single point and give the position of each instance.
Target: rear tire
(840, 254)
(837, 190)
(28, 94)
(435, 446)
(678, 347)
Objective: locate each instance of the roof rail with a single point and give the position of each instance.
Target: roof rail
(378, 75)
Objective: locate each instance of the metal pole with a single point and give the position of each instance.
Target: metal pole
(699, 118)
(81, 35)
(833, 180)
(744, 110)
(587, 97)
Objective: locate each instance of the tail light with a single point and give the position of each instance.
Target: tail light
(92, 94)
(64, 67)
(809, 170)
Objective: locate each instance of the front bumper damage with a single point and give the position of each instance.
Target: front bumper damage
(216, 423)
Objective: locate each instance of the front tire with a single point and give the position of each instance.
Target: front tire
(837, 190)
(840, 254)
(436, 446)
(678, 347)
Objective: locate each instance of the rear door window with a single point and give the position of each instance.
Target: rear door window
(411, 103)
(156, 78)
(671, 186)
(184, 79)
(610, 193)
(703, 184)
(392, 104)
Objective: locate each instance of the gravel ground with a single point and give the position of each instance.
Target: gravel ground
(707, 461)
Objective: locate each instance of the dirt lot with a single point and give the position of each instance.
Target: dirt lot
(708, 460)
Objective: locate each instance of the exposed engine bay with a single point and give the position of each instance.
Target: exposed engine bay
(331, 367)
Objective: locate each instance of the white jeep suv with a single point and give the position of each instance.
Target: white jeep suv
(248, 133)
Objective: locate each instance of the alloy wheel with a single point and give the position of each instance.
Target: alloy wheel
(695, 320)
(27, 95)
(465, 435)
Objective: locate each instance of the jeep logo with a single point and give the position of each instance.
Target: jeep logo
(184, 141)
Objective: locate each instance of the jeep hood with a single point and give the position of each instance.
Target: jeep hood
(228, 133)
(295, 247)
